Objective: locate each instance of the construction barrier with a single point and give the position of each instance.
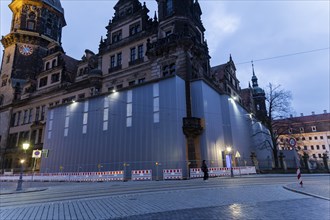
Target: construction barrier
(141, 175)
(196, 173)
(170, 174)
(222, 171)
(69, 177)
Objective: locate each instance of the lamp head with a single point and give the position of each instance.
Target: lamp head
(26, 146)
(228, 149)
(22, 161)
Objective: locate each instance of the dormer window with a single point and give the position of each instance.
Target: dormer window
(313, 128)
(134, 28)
(129, 10)
(117, 36)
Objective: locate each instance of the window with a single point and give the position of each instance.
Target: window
(119, 58)
(66, 122)
(321, 137)
(299, 148)
(156, 102)
(168, 69)
(303, 138)
(320, 155)
(31, 25)
(313, 128)
(30, 115)
(12, 121)
(54, 63)
(119, 86)
(85, 118)
(312, 147)
(55, 77)
(49, 27)
(140, 52)
(112, 61)
(134, 28)
(25, 117)
(39, 136)
(117, 36)
(310, 138)
(169, 7)
(37, 114)
(18, 118)
(50, 126)
(81, 72)
(314, 155)
(133, 53)
(43, 110)
(323, 147)
(305, 147)
(290, 130)
(328, 136)
(43, 82)
(141, 80)
(317, 147)
(129, 109)
(315, 138)
(106, 113)
(131, 83)
(8, 59)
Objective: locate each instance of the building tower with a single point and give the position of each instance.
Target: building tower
(181, 49)
(259, 98)
(36, 26)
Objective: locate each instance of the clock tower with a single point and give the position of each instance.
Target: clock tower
(35, 24)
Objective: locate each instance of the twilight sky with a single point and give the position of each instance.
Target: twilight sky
(287, 39)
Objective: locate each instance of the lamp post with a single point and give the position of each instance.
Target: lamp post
(20, 180)
(230, 161)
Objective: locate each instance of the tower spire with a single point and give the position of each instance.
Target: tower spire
(254, 77)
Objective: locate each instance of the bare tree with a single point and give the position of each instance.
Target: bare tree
(278, 102)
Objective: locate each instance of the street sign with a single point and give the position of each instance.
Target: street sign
(36, 154)
(292, 142)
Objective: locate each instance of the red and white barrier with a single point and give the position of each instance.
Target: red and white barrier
(222, 171)
(196, 173)
(171, 174)
(299, 177)
(141, 175)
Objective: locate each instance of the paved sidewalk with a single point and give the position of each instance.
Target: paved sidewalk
(230, 202)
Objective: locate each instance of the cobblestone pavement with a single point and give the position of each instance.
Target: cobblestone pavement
(237, 202)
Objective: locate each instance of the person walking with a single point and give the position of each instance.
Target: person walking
(205, 171)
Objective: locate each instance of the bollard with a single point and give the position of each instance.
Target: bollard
(299, 177)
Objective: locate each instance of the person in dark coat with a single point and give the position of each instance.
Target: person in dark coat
(205, 170)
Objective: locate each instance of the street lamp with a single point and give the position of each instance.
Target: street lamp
(230, 161)
(20, 180)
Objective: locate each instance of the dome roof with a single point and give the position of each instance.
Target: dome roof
(258, 90)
